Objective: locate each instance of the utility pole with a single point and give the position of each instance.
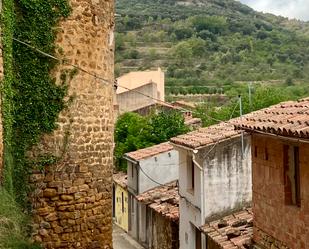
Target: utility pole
(250, 96)
(242, 133)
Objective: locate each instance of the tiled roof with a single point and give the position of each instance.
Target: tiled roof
(192, 121)
(207, 136)
(149, 152)
(289, 119)
(121, 179)
(232, 232)
(184, 104)
(163, 199)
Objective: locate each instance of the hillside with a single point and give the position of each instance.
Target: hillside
(206, 45)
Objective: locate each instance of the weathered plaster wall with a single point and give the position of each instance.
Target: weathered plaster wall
(189, 204)
(227, 178)
(277, 224)
(121, 207)
(162, 168)
(137, 79)
(131, 101)
(227, 185)
(190, 217)
(72, 200)
(132, 177)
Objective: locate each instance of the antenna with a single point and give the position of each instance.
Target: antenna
(242, 133)
(250, 96)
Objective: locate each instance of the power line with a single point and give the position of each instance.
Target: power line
(61, 60)
(150, 178)
(106, 81)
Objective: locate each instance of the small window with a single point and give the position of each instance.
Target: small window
(292, 188)
(198, 239)
(169, 154)
(122, 202)
(266, 154)
(190, 173)
(255, 151)
(132, 205)
(156, 159)
(132, 170)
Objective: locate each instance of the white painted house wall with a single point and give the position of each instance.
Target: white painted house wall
(226, 185)
(162, 168)
(228, 179)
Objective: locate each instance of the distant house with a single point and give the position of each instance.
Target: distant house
(184, 104)
(149, 83)
(162, 209)
(214, 178)
(280, 159)
(120, 200)
(147, 168)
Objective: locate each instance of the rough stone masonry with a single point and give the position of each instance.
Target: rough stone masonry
(72, 199)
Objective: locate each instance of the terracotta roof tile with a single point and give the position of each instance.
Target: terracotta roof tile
(121, 179)
(239, 223)
(289, 119)
(163, 199)
(207, 136)
(192, 121)
(150, 151)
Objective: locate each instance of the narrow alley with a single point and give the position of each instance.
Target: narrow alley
(121, 240)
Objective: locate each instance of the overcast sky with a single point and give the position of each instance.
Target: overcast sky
(298, 9)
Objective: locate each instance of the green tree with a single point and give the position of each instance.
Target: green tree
(166, 125)
(132, 132)
(135, 132)
(182, 53)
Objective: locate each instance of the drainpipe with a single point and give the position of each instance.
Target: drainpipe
(202, 187)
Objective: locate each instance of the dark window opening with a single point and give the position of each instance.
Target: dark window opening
(255, 151)
(266, 154)
(190, 173)
(132, 171)
(291, 165)
(198, 239)
(122, 202)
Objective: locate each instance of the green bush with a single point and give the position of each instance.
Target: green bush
(14, 224)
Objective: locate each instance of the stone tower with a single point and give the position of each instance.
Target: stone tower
(72, 198)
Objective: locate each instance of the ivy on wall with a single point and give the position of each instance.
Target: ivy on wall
(31, 99)
(6, 89)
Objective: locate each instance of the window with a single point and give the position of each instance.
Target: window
(122, 202)
(132, 205)
(255, 151)
(190, 173)
(291, 175)
(132, 170)
(266, 154)
(198, 239)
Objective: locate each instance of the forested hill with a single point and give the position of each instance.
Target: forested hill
(200, 43)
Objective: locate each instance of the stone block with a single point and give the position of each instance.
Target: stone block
(50, 192)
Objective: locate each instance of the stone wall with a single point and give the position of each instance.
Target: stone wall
(164, 233)
(274, 219)
(72, 199)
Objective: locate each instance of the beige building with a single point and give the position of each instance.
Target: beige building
(149, 83)
(120, 200)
